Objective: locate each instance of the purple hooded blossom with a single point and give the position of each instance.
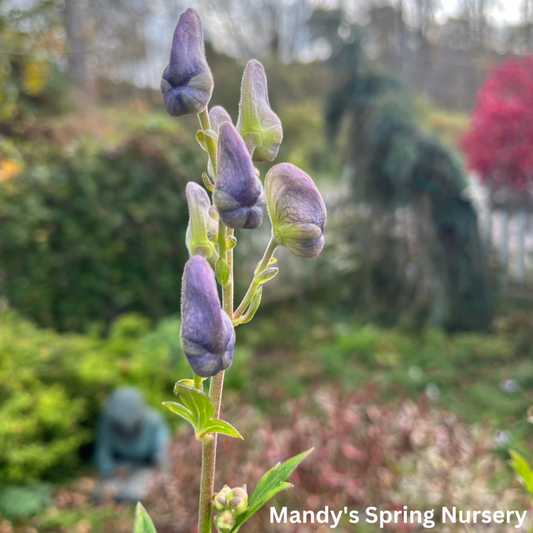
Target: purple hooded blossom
(217, 116)
(257, 123)
(207, 334)
(238, 195)
(296, 209)
(187, 81)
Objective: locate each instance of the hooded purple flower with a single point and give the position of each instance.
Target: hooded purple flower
(296, 209)
(217, 116)
(207, 334)
(257, 123)
(238, 195)
(187, 81)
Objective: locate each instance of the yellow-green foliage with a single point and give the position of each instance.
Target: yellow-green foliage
(52, 385)
(447, 125)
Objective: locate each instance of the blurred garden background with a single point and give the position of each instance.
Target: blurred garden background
(403, 353)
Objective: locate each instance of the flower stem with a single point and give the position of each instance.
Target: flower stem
(209, 447)
(198, 383)
(211, 146)
(267, 256)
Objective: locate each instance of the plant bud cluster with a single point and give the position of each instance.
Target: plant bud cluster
(296, 209)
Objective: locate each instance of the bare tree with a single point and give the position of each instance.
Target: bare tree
(257, 28)
(74, 28)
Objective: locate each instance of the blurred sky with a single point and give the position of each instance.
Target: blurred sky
(502, 12)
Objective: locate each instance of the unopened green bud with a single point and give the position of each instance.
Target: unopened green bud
(239, 505)
(224, 521)
(220, 502)
(259, 126)
(239, 502)
(201, 224)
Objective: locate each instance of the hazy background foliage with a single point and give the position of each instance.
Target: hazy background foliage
(418, 309)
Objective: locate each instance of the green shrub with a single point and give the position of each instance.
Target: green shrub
(88, 233)
(52, 386)
(22, 502)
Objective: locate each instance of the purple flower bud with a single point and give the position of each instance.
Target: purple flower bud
(217, 116)
(207, 334)
(296, 209)
(187, 81)
(258, 124)
(201, 225)
(238, 195)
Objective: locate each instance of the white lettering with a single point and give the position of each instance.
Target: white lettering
(520, 520)
(336, 519)
(278, 519)
(446, 514)
(370, 512)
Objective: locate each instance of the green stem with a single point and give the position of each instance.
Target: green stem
(198, 383)
(209, 457)
(211, 146)
(267, 256)
(209, 448)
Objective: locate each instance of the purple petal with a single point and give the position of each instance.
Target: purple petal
(207, 334)
(217, 116)
(187, 81)
(238, 195)
(296, 209)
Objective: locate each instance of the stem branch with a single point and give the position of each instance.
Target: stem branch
(267, 256)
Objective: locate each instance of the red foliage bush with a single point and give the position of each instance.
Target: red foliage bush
(366, 454)
(499, 140)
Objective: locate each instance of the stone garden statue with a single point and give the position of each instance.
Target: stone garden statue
(131, 442)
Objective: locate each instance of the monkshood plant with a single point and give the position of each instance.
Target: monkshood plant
(237, 200)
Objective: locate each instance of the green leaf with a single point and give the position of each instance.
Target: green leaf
(270, 484)
(231, 242)
(180, 410)
(143, 522)
(222, 272)
(208, 184)
(267, 274)
(522, 470)
(198, 410)
(198, 403)
(219, 426)
(200, 137)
